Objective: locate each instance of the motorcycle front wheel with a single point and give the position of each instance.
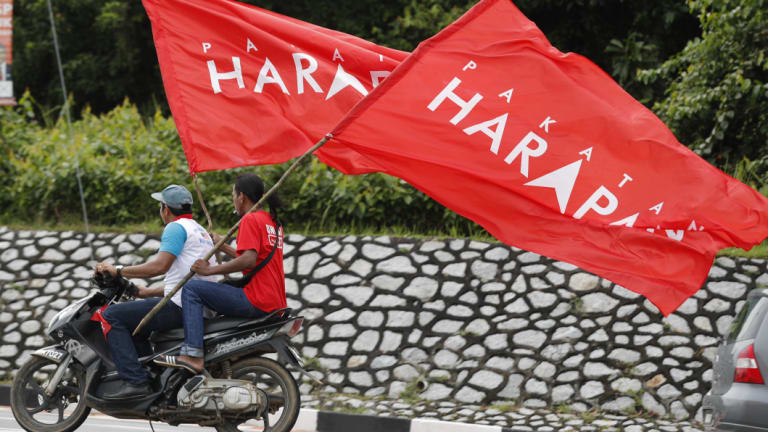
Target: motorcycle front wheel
(35, 411)
(282, 393)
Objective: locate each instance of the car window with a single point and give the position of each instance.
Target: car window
(747, 322)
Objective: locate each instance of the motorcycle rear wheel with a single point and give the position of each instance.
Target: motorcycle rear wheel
(280, 387)
(28, 398)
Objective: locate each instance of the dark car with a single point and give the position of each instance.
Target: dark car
(738, 400)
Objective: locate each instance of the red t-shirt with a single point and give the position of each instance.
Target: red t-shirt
(257, 232)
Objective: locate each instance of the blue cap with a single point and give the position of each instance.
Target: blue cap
(174, 196)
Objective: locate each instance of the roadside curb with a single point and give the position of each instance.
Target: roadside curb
(311, 420)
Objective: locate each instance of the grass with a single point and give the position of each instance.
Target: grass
(759, 251)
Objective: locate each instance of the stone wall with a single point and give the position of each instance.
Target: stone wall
(468, 321)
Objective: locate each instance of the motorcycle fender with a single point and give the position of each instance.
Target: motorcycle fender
(53, 353)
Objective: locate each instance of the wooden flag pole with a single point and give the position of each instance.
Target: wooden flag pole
(229, 234)
(205, 210)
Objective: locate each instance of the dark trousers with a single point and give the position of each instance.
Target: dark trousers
(224, 299)
(125, 348)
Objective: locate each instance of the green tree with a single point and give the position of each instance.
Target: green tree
(106, 48)
(717, 87)
(108, 51)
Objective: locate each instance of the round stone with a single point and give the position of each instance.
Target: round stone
(391, 341)
(370, 319)
(562, 393)
(30, 327)
(8, 351)
(399, 318)
(541, 300)
(732, 290)
(436, 392)
(545, 370)
(447, 326)
(583, 282)
(478, 327)
(406, 373)
(388, 301)
(519, 306)
(361, 379)
(398, 264)
(12, 337)
(457, 270)
(422, 288)
(597, 370)
(342, 315)
(668, 391)
(537, 387)
(469, 395)
(497, 254)
(591, 389)
(342, 331)
(487, 379)
(336, 348)
(626, 385)
(531, 338)
(326, 271)
(459, 311)
(624, 355)
(366, 341)
(717, 306)
(496, 342)
(41, 269)
(383, 362)
(484, 271)
(652, 405)
(598, 302)
(376, 252)
(446, 359)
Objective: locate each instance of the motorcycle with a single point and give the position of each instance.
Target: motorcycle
(60, 384)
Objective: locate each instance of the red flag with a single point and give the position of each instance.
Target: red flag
(549, 154)
(248, 87)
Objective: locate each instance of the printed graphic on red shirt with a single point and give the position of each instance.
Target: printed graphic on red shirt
(272, 236)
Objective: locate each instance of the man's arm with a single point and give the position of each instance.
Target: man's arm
(227, 249)
(245, 261)
(149, 269)
(146, 292)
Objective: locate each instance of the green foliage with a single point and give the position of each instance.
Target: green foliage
(108, 52)
(717, 88)
(123, 158)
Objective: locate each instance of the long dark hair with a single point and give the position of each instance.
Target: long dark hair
(253, 187)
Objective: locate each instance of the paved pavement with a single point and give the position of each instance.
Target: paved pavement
(342, 413)
(98, 422)
(504, 417)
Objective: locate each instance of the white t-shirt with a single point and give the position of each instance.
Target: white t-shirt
(188, 244)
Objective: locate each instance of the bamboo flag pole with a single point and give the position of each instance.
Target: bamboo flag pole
(229, 234)
(205, 210)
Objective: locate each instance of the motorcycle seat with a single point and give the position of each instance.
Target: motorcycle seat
(218, 324)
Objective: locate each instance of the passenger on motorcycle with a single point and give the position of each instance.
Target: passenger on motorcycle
(183, 242)
(259, 233)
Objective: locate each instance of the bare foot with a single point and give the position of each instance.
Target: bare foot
(195, 362)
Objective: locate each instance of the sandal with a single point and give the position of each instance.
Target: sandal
(174, 362)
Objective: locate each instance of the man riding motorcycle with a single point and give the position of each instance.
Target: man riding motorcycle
(183, 242)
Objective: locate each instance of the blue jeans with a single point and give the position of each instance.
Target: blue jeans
(224, 299)
(125, 348)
